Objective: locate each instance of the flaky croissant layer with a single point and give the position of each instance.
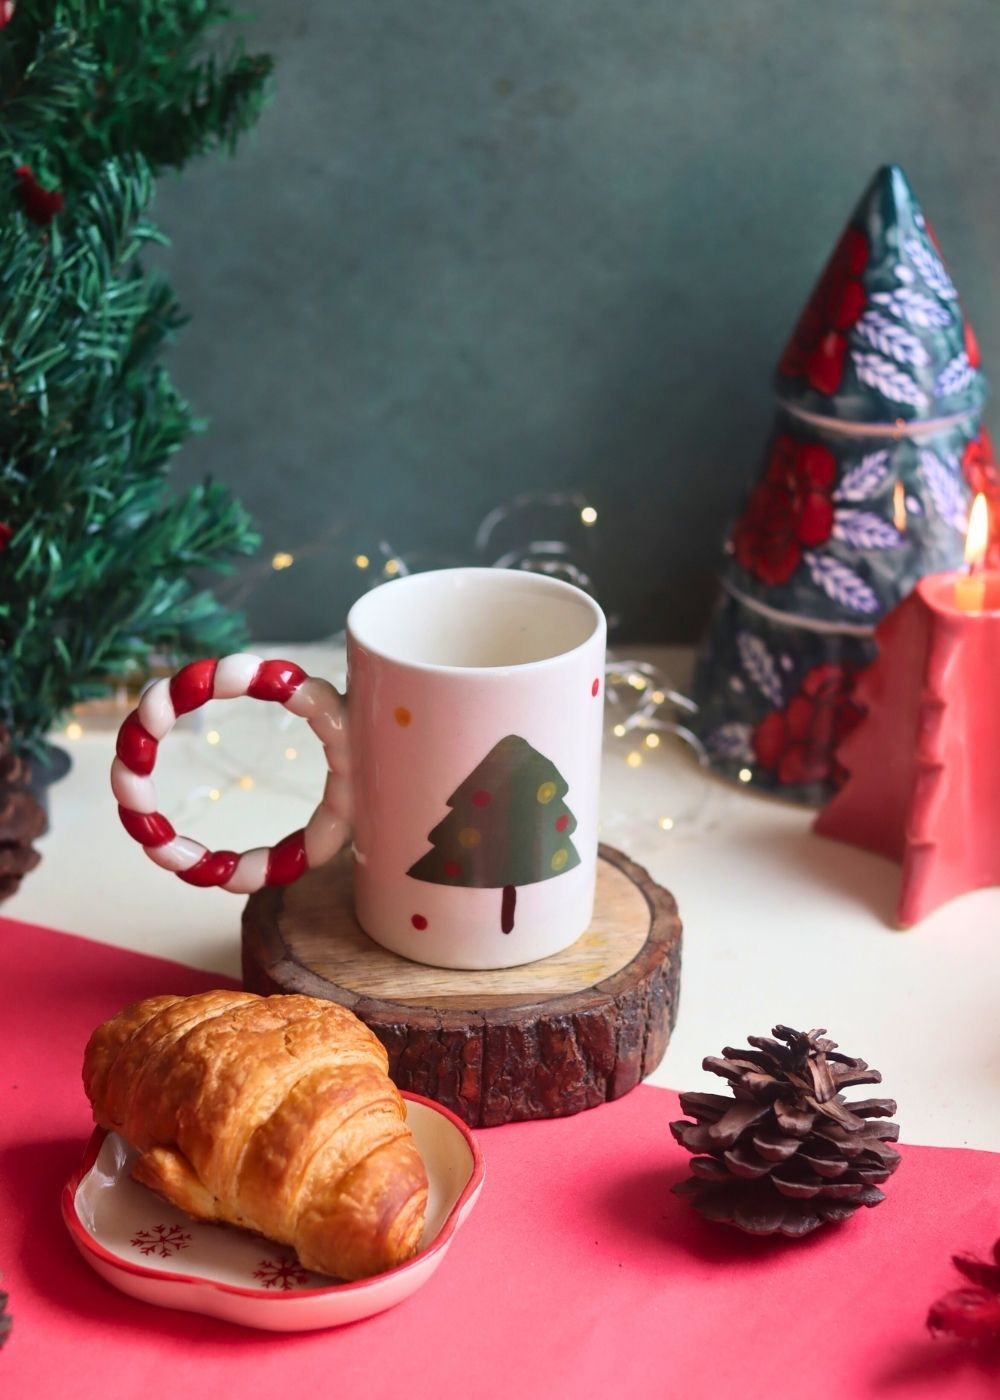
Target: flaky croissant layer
(273, 1113)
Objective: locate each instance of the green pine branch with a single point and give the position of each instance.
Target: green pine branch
(151, 88)
(101, 563)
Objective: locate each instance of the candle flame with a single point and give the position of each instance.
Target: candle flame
(977, 539)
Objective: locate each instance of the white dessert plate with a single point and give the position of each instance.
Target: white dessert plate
(146, 1248)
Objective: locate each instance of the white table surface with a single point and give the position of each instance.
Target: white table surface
(780, 925)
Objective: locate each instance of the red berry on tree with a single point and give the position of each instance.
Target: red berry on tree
(7, 8)
(562, 823)
(5, 534)
(39, 204)
(481, 798)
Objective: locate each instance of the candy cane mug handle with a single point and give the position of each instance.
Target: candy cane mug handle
(313, 699)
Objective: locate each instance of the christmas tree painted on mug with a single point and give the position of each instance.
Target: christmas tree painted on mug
(508, 826)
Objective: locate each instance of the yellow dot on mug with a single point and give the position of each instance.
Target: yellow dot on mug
(402, 716)
(559, 859)
(469, 836)
(546, 792)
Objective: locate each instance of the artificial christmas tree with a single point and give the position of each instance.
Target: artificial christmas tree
(508, 826)
(866, 488)
(97, 557)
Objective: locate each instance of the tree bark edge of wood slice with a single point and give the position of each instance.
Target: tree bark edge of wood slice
(539, 1057)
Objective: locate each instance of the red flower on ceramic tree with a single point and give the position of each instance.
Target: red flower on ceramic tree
(979, 467)
(790, 510)
(818, 345)
(798, 743)
(5, 535)
(973, 1312)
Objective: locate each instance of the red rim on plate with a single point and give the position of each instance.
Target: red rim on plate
(86, 1240)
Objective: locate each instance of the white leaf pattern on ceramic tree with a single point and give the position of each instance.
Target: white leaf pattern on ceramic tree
(914, 307)
(731, 741)
(864, 480)
(862, 530)
(946, 487)
(931, 268)
(892, 339)
(759, 665)
(957, 375)
(840, 583)
(886, 376)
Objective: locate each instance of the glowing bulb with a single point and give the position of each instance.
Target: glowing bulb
(899, 507)
(636, 681)
(213, 736)
(666, 823)
(246, 782)
(391, 567)
(361, 561)
(282, 560)
(634, 759)
(619, 731)
(74, 730)
(652, 741)
(744, 775)
(291, 753)
(658, 697)
(588, 515)
(215, 794)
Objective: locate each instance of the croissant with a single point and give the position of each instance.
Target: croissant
(272, 1113)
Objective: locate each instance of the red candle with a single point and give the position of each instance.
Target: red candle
(923, 766)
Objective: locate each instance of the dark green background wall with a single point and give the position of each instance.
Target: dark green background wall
(478, 248)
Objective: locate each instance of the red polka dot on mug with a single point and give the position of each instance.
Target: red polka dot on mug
(596, 686)
(418, 921)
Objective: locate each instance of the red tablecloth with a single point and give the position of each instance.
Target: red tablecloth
(578, 1274)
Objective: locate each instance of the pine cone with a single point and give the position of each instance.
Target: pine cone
(786, 1154)
(22, 819)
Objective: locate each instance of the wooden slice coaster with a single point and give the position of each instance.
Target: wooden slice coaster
(539, 1041)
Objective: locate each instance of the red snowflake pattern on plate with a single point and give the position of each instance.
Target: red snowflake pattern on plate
(162, 1240)
(281, 1273)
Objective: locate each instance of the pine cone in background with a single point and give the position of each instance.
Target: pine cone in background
(786, 1154)
(22, 819)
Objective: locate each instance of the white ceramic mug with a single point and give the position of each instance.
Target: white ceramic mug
(468, 769)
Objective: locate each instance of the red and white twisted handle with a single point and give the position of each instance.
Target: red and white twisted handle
(313, 699)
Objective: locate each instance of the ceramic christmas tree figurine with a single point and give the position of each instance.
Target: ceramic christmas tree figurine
(508, 826)
(867, 479)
